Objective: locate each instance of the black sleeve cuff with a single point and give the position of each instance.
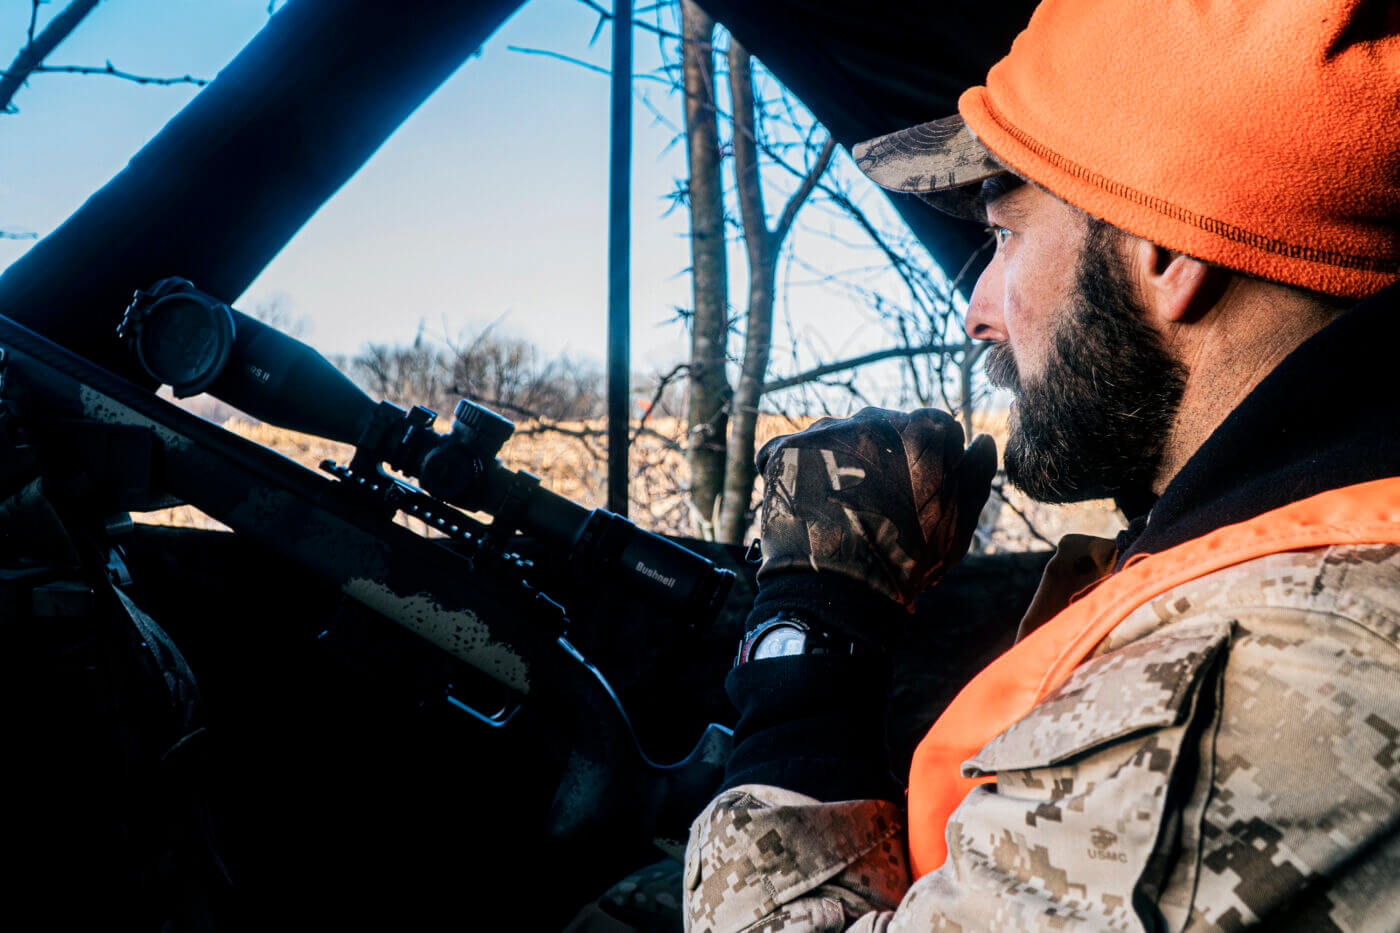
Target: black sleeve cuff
(813, 724)
(836, 603)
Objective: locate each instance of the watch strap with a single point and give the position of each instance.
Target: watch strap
(816, 640)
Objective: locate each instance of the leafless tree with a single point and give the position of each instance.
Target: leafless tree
(276, 311)
(416, 373)
(763, 246)
(513, 374)
(707, 417)
(734, 114)
(770, 138)
(503, 372)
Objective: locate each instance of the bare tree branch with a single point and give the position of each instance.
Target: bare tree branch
(913, 370)
(578, 61)
(111, 70)
(606, 14)
(562, 57)
(856, 362)
(900, 264)
(661, 385)
(33, 19)
(1000, 490)
(804, 190)
(550, 427)
(37, 49)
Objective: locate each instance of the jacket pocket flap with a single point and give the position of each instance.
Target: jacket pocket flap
(1148, 684)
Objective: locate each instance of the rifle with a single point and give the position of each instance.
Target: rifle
(118, 447)
(213, 197)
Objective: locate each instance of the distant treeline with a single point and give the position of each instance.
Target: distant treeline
(507, 373)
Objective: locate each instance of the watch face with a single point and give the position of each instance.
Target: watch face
(780, 641)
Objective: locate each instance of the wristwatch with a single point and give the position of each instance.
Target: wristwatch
(786, 635)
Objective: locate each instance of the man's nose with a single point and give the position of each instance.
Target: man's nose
(985, 311)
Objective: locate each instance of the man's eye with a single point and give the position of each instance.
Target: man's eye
(1000, 234)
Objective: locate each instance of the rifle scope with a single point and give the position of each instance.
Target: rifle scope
(193, 342)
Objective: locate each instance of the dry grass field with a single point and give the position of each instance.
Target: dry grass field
(571, 459)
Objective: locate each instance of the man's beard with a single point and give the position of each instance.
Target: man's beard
(1094, 423)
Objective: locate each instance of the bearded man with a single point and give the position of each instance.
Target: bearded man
(1193, 300)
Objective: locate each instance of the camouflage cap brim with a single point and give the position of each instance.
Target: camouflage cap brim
(941, 161)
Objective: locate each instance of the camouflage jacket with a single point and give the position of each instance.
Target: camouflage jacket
(1229, 755)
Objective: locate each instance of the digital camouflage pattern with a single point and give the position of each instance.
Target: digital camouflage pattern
(774, 859)
(836, 501)
(1078, 806)
(1228, 757)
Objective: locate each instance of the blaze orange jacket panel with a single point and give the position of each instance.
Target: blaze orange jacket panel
(1007, 689)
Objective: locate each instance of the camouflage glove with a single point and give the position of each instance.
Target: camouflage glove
(884, 498)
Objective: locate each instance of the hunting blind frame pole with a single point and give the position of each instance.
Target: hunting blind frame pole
(619, 258)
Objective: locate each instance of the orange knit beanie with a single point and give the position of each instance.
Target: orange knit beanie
(1262, 135)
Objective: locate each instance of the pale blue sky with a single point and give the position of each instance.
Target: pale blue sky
(490, 202)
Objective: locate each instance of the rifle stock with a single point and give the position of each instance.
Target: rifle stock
(282, 506)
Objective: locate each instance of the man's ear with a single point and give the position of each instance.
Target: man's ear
(1177, 288)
